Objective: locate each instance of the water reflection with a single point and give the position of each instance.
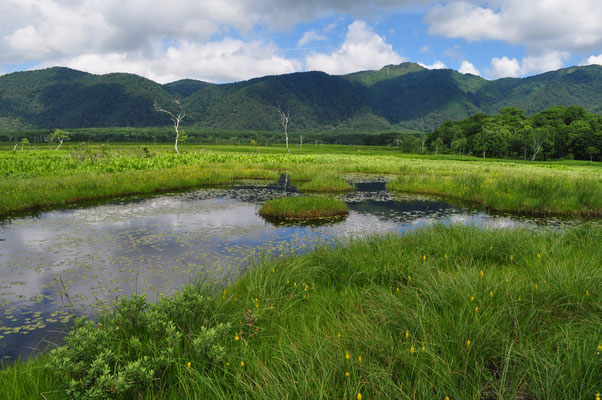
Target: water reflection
(81, 259)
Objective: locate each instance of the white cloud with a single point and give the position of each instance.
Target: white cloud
(436, 65)
(310, 36)
(362, 50)
(540, 26)
(468, 68)
(594, 60)
(425, 48)
(224, 61)
(505, 67)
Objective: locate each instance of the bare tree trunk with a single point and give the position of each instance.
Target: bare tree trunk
(15, 146)
(176, 119)
(537, 145)
(284, 121)
(301, 143)
(60, 143)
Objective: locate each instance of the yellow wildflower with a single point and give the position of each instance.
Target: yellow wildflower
(491, 294)
(482, 274)
(445, 256)
(511, 257)
(409, 277)
(339, 335)
(411, 349)
(242, 363)
(407, 334)
(236, 338)
(347, 374)
(347, 356)
(538, 255)
(359, 396)
(471, 298)
(468, 343)
(188, 365)
(476, 309)
(360, 359)
(423, 258)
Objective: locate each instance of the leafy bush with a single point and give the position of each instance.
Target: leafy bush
(131, 350)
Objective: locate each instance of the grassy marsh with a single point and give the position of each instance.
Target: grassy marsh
(452, 311)
(304, 208)
(37, 178)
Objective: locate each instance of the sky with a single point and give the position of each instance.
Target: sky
(232, 40)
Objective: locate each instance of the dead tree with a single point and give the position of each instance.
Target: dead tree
(284, 121)
(175, 118)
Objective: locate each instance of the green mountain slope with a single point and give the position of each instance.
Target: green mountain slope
(397, 96)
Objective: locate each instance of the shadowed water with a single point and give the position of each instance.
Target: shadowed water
(61, 263)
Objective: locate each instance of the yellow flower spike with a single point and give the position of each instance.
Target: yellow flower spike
(272, 308)
(482, 274)
(491, 248)
(468, 343)
(446, 397)
(287, 281)
(224, 295)
(445, 256)
(256, 305)
(273, 269)
(409, 277)
(188, 365)
(476, 309)
(347, 374)
(228, 363)
(294, 283)
(600, 347)
(407, 334)
(398, 289)
(242, 363)
(538, 255)
(587, 292)
(339, 335)
(491, 294)
(359, 359)
(411, 349)
(511, 257)
(236, 338)
(256, 300)
(359, 396)
(536, 286)
(423, 258)
(347, 356)
(423, 348)
(471, 298)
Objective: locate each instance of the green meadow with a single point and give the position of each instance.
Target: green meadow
(36, 177)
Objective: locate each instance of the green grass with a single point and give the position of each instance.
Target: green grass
(528, 302)
(304, 208)
(39, 178)
(325, 183)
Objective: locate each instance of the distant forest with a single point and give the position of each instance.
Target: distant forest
(555, 133)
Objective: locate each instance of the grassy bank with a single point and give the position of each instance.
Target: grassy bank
(38, 178)
(450, 311)
(304, 208)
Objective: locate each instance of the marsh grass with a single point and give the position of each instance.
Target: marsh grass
(304, 208)
(39, 178)
(325, 183)
(452, 311)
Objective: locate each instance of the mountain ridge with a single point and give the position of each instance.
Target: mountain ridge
(395, 97)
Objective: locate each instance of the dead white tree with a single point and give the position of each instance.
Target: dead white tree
(175, 118)
(284, 121)
(538, 139)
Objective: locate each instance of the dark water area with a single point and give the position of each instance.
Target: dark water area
(77, 261)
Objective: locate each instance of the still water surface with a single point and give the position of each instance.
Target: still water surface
(59, 263)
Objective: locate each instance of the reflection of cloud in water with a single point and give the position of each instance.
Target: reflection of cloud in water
(155, 245)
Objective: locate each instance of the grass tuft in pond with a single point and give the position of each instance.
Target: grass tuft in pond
(325, 183)
(304, 208)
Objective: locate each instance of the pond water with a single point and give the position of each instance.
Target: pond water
(60, 263)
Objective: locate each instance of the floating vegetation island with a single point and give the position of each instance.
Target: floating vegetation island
(304, 208)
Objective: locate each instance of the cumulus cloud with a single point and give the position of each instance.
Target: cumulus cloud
(594, 60)
(223, 61)
(436, 65)
(505, 67)
(362, 50)
(468, 68)
(541, 26)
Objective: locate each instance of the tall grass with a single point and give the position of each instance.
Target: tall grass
(35, 178)
(304, 208)
(453, 311)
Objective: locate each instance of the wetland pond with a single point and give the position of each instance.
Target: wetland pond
(76, 261)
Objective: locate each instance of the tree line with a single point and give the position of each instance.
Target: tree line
(555, 133)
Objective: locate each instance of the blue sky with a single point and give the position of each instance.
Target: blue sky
(225, 41)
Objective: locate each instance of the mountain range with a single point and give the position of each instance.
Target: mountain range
(396, 97)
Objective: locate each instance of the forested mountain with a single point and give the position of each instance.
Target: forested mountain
(395, 97)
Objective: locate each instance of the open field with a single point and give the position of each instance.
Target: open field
(452, 311)
(35, 178)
